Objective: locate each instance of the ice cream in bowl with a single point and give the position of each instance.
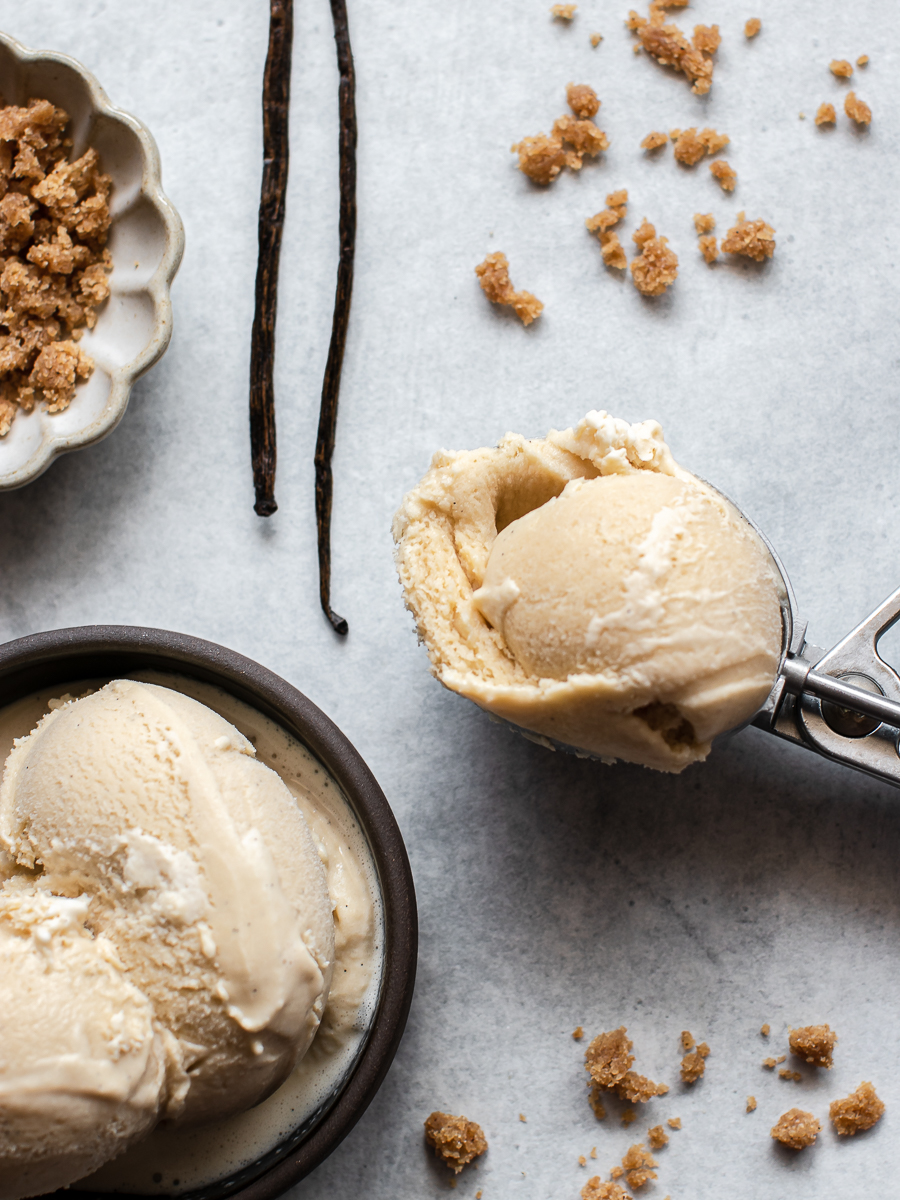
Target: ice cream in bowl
(207, 923)
(591, 592)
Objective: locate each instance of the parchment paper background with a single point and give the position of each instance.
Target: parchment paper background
(761, 886)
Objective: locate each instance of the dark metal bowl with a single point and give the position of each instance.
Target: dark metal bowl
(109, 651)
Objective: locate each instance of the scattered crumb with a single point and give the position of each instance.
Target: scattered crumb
(578, 1033)
(674, 1122)
(617, 1172)
(582, 99)
(541, 158)
(670, 47)
(593, 1152)
(802, 116)
(687, 1040)
(709, 247)
(654, 140)
(691, 146)
(582, 1161)
(781, 1057)
(752, 27)
(493, 275)
(612, 251)
(596, 1103)
(857, 110)
(756, 240)
(863, 60)
(563, 12)
(596, 39)
(771, 1063)
(638, 1164)
(599, 1189)
(657, 1137)
(841, 68)
(860, 1110)
(724, 173)
(703, 223)
(54, 222)
(608, 1058)
(751, 1104)
(796, 1129)
(814, 1044)
(610, 246)
(703, 1050)
(456, 1140)
(522, 1118)
(786, 1074)
(629, 1116)
(766, 1030)
(692, 1067)
(583, 136)
(655, 269)
(478, 1194)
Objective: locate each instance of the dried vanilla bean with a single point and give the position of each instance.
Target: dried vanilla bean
(276, 100)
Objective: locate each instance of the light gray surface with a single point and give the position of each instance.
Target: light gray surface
(762, 886)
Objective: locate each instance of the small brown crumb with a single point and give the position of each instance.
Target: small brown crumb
(596, 39)
(478, 1194)
(860, 1110)
(522, 1118)
(656, 268)
(781, 1057)
(674, 1122)
(608, 1057)
(618, 200)
(654, 140)
(612, 251)
(617, 1172)
(582, 99)
(629, 1116)
(583, 136)
(638, 1164)
(582, 1161)
(769, 1064)
(493, 275)
(692, 1067)
(724, 173)
(596, 1103)
(863, 60)
(578, 1033)
(593, 1151)
(456, 1140)
(541, 158)
(814, 1044)
(563, 12)
(841, 68)
(751, 1104)
(687, 1040)
(802, 116)
(796, 1129)
(599, 1189)
(691, 146)
(703, 223)
(795, 1075)
(857, 110)
(657, 1137)
(752, 27)
(766, 1030)
(670, 47)
(752, 239)
(709, 247)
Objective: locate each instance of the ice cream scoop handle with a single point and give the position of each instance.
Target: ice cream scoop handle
(800, 677)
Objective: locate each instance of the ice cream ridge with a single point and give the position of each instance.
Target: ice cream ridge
(166, 934)
(590, 591)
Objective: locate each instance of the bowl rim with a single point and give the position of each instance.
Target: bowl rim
(40, 660)
(158, 287)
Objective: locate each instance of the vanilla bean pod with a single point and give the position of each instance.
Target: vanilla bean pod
(332, 382)
(276, 100)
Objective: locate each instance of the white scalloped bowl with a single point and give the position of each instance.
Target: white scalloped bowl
(146, 242)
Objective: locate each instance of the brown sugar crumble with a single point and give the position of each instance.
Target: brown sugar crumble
(638, 1164)
(794, 1075)
(856, 110)
(860, 1110)
(796, 1129)
(766, 1030)
(693, 1065)
(596, 39)
(863, 60)
(54, 222)
(814, 1044)
(674, 1122)
(522, 1118)
(841, 68)
(582, 99)
(583, 136)
(629, 1116)
(751, 1104)
(752, 239)
(578, 1033)
(724, 173)
(600, 223)
(493, 275)
(825, 114)
(670, 47)
(687, 1040)
(654, 140)
(608, 1061)
(599, 1189)
(708, 247)
(752, 27)
(657, 1137)
(656, 268)
(541, 158)
(703, 223)
(563, 12)
(691, 146)
(455, 1140)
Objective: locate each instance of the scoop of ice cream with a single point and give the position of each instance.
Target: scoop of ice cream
(82, 1069)
(589, 590)
(201, 872)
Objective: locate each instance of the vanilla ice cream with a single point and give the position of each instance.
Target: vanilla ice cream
(592, 592)
(205, 895)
